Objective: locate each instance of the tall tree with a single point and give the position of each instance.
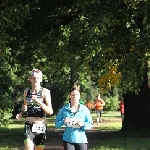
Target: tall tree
(47, 33)
(64, 38)
(125, 41)
(6, 72)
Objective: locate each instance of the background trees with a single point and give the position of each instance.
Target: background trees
(128, 46)
(76, 43)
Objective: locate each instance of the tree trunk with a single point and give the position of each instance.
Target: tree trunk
(74, 77)
(137, 109)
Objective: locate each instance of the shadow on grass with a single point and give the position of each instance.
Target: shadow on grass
(118, 140)
(11, 139)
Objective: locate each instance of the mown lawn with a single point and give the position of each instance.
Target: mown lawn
(110, 137)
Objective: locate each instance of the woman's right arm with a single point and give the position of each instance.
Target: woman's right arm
(24, 106)
(59, 122)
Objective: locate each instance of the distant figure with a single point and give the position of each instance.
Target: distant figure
(90, 105)
(121, 105)
(99, 103)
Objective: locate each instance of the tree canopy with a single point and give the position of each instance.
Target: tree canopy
(74, 42)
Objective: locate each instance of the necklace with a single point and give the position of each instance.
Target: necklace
(74, 109)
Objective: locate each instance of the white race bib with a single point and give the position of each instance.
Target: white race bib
(73, 122)
(39, 128)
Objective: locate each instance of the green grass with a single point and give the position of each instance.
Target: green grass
(108, 115)
(11, 136)
(123, 143)
(109, 137)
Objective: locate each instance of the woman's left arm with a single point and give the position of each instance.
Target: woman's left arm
(48, 106)
(88, 122)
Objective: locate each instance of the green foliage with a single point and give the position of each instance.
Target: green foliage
(6, 98)
(124, 32)
(111, 103)
(72, 43)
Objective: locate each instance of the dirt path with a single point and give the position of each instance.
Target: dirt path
(54, 137)
(94, 136)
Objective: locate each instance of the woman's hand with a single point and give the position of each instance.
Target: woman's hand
(66, 120)
(80, 123)
(34, 97)
(18, 116)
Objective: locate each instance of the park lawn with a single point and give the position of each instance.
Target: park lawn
(111, 139)
(11, 137)
(108, 115)
(123, 143)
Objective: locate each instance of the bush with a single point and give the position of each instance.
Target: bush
(111, 103)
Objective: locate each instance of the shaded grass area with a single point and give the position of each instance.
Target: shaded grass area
(121, 141)
(109, 137)
(10, 137)
(106, 136)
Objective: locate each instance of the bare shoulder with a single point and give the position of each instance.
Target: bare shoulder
(45, 90)
(46, 93)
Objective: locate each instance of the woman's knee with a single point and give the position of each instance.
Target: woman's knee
(39, 147)
(29, 145)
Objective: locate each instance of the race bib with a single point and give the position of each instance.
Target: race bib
(73, 122)
(39, 128)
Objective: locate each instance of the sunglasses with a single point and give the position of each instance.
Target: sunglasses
(35, 71)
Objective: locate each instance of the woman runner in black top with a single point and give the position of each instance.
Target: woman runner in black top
(37, 103)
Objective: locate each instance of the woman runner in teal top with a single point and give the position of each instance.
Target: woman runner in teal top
(77, 119)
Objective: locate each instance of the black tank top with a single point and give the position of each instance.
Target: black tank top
(33, 108)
